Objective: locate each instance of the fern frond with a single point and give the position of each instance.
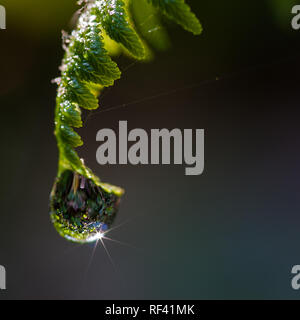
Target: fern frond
(180, 12)
(114, 20)
(81, 206)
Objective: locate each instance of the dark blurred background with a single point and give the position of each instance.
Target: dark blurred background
(231, 233)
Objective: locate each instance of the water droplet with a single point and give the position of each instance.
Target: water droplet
(79, 209)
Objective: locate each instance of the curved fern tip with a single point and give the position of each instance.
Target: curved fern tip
(81, 206)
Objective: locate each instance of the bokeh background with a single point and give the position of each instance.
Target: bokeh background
(231, 233)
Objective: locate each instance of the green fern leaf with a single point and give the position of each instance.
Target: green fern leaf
(114, 20)
(70, 113)
(180, 12)
(69, 136)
